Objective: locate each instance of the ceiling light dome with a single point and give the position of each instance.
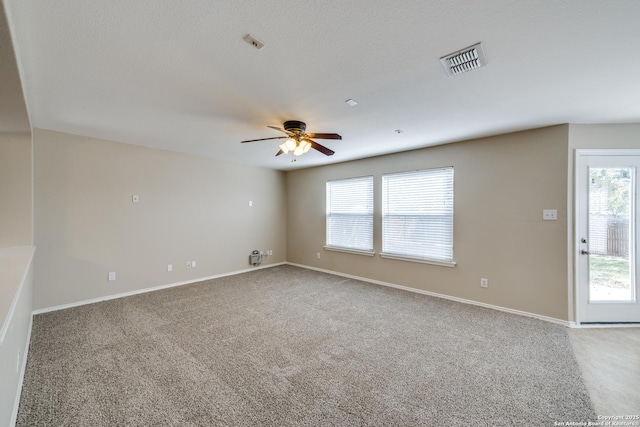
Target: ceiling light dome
(290, 143)
(306, 146)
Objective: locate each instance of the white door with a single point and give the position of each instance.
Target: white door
(607, 232)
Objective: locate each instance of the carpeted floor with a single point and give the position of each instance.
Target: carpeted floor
(287, 346)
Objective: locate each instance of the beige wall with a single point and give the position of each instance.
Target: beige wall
(502, 184)
(15, 149)
(604, 136)
(190, 209)
(16, 226)
(13, 111)
(15, 190)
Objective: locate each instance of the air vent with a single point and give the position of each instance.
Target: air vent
(253, 41)
(464, 60)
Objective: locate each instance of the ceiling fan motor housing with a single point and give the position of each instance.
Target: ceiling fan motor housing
(295, 126)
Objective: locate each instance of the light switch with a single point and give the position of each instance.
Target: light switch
(550, 214)
(135, 198)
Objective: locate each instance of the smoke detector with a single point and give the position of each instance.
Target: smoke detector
(253, 41)
(464, 60)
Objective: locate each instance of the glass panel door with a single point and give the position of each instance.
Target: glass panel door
(607, 255)
(611, 272)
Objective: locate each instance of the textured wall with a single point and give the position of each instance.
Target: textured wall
(502, 184)
(190, 209)
(13, 111)
(15, 190)
(15, 149)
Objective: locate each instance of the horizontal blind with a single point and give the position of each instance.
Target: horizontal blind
(417, 214)
(350, 213)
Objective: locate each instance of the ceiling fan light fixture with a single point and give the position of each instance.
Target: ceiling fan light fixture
(297, 141)
(291, 144)
(306, 147)
(299, 151)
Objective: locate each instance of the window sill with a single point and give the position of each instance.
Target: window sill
(420, 260)
(349, 251)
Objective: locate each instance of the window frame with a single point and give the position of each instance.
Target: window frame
(370, 214)
(414, 257)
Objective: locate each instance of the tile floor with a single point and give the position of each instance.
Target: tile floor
(610, 362)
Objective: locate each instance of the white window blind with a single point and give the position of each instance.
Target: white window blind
(417, 214)
(350, 214)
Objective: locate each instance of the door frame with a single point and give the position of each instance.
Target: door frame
(577, 222)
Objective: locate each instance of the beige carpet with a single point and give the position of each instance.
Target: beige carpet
(287, 346)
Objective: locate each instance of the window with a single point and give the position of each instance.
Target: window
(350, 214)
(417, 215)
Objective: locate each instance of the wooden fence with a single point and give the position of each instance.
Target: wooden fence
(609, 235)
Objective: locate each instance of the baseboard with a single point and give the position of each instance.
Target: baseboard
(145, 290)
(604, 325)
(337, 273)
(23, 370)
(443, 296)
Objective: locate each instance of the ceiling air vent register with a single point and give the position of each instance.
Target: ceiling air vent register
(464, 60)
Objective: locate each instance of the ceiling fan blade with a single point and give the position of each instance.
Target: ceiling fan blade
(279, 152)
(279, 129)
(324, 135)
(321, 148)
(263, 139)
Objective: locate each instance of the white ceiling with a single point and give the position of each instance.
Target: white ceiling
(177, 75)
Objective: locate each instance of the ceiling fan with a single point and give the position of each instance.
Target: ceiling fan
(297, 140)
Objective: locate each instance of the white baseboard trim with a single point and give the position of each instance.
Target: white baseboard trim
(604, 325)
(23, 370)
(155, 288)
(336, 273)
(443, 296)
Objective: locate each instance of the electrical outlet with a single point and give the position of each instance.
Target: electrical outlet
(484, 283)
(270, 252)
(188, 264)
(135, 198)
(318, 255)
(169, 267)
(193, 264)
(550, 214)
(112, 275)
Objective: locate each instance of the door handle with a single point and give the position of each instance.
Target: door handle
(583, 252)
